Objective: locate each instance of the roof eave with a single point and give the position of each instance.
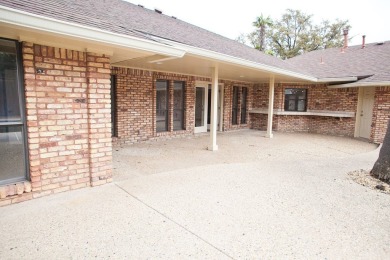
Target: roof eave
(216, 56)
(339, 79)
(361, 84)
(46, 24)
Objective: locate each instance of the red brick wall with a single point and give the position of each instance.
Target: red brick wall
(136, 108)
(319, 97)
(228, 103)
(134, 105)
(381, 114)
(99, 118)
(260, 96)
(68, 121)
(189, 117)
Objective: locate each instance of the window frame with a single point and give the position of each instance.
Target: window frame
(167, 106)
(244, 105)
(235, 104)
(114, 115)
(296, 99)
(23, 120)
(182, 109)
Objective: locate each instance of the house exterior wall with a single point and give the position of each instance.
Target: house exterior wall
(381, 114)
(136, 107)
(320, 98)
(68, 122)
(228, 103)
(68, 115)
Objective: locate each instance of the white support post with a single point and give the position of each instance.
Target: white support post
(270, 106)
(214, 110)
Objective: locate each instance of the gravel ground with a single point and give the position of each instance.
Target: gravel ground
(364, 178)
(289, 197)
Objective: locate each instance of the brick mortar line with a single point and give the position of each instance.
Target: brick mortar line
(173, 221)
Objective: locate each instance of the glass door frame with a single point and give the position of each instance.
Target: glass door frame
(206, 97)
(22, 105)
(204, 85)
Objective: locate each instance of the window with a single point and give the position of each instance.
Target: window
(235, 105)
(13, 164)
(243, 105)
(295, 99)
(239, 109)
(161, 105)
(114, 131)
(178, 105)
(199, 106)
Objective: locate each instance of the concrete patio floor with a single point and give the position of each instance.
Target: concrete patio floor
(286, 197)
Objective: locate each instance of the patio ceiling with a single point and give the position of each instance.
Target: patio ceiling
(199, 66)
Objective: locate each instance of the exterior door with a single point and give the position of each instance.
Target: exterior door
(367, 106)
(201, 100)
(13, 164)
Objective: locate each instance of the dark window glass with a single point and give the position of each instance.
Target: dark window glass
(12, 128)
(244, 96)
(178, 105)
(161, 105)
(235, 105)
(199, 107)
(9, 91)
(114, 131)
(295, 99)
(209, 105)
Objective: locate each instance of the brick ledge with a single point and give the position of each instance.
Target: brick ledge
(15, 189)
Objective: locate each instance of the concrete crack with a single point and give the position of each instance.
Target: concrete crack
(176, 223)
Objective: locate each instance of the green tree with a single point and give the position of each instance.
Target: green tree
(261, 23)
(295, 33)
(381, 169)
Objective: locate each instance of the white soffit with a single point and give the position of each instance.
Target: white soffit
(216, 56)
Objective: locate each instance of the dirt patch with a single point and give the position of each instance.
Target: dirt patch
(364, 178)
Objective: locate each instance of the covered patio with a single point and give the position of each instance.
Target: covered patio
(286, 197)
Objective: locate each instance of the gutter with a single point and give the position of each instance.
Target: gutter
(361, 84)
(46, 24)
(342, 79)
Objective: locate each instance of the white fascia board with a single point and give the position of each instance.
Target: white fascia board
(234, 60)
(362, 84)
(46, 24)
(342, 79)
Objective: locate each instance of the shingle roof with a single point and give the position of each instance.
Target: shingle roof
(125, 18)
(371, 63)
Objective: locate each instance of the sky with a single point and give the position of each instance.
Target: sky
(231, 18)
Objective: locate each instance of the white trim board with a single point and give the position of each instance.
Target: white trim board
(50, 25)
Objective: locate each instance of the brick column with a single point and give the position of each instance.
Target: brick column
(31, 115)
(189, 113)
(99, 118)
(227, 106)
(381, 114)
(170, 105)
